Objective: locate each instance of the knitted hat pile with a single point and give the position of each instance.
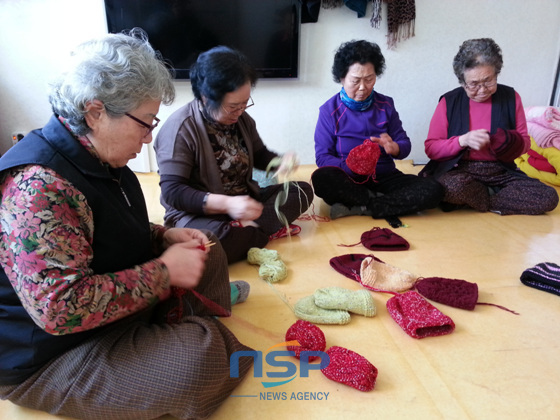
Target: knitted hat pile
(309, 336)
(350, 368)
(544, 276)
(417, 317)
(349, 264)
(272, 269)
(362, 159)
(380, 276)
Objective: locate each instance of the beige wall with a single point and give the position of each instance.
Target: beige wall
(36, 34)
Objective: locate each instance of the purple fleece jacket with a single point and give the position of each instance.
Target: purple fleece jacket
(339, 130)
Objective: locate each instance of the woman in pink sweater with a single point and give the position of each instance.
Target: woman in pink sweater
(476, 132)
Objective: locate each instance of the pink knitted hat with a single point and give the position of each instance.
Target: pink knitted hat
(349, 368)
(417, 317)
(362, 159)
(309, 336)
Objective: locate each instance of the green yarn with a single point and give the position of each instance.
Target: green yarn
(272, 268)
(307, 310)
(359, 301)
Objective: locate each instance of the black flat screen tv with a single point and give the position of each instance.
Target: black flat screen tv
(266, 31)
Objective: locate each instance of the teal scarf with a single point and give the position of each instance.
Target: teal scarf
(356, 105)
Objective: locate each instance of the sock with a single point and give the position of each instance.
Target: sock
(307, 310)
(272, 268)
(340, 210)
(239, 291)
(359, 301)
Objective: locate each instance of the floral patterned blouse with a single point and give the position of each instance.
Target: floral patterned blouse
(45, 249)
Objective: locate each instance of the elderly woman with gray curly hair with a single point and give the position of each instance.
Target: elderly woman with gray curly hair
(102, 314)
(476, 133)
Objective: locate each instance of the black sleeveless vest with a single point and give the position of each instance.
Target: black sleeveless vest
(121, 240)
(457, 101)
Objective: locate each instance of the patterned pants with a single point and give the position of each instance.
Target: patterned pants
(237, 241)
(488, 186)
(394, 194)
(143, 368)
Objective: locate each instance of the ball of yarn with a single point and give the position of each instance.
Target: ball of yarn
(272, 268)
(309, 336)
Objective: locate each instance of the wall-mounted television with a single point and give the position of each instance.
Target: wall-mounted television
(266, 31)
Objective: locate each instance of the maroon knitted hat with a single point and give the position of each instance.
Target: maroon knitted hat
(362, 159)
(309, 336)
(378, 239)
(417, 317)
(349, 368)
(453, 292)
(349, 264)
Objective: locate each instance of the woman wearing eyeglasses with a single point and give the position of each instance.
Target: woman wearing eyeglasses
(206, 152)
(476, 132)
(99, 310)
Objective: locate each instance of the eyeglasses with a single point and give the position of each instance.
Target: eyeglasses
(148, 127)
(230, 109)
(474, 86)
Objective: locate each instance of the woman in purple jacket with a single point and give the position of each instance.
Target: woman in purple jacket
(351, 116)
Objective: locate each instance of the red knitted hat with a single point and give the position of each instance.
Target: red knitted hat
(417, 317)
(363, 159)
(349, 368)
(309, 336)
(453, 292)
(349, 264)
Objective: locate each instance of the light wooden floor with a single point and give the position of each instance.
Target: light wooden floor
(495, 365)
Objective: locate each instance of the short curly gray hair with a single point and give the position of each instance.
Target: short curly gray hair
(477, 52)
(121, 70)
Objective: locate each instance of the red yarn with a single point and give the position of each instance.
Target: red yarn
(363, 159)
(350, 368)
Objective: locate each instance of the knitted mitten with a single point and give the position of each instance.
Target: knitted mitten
(382, 276)
(272, 268)
(358, 302)
(306, 309)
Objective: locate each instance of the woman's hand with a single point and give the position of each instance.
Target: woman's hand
(180, 235)
(385, 141)
(476, 139)
(243, 207)
(185, 263)
(288, 164)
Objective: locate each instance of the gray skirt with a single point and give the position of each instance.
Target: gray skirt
(142, 367)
